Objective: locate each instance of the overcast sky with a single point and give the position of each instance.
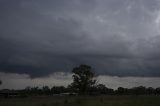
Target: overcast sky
(116, 37)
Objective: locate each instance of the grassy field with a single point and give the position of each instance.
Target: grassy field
(84, 101)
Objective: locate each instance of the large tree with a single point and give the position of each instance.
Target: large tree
(83, 79)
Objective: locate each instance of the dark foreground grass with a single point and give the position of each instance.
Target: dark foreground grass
(84, 101)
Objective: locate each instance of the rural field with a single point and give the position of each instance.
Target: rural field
(84, 101)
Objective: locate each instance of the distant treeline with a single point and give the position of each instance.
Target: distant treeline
(84, 83)
(96, 90)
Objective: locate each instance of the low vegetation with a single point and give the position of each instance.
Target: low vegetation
(84, 101)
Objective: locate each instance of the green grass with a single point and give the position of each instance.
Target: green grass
(84, 101)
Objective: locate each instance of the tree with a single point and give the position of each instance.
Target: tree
(83, 79)
(121, 90)
(46, 90)
(58, 89)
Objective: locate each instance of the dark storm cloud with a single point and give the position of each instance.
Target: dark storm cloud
(116, 37)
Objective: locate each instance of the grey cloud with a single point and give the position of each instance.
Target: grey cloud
(116, 37)
(17, 81)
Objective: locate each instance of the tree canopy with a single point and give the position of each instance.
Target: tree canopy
(83, 79)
